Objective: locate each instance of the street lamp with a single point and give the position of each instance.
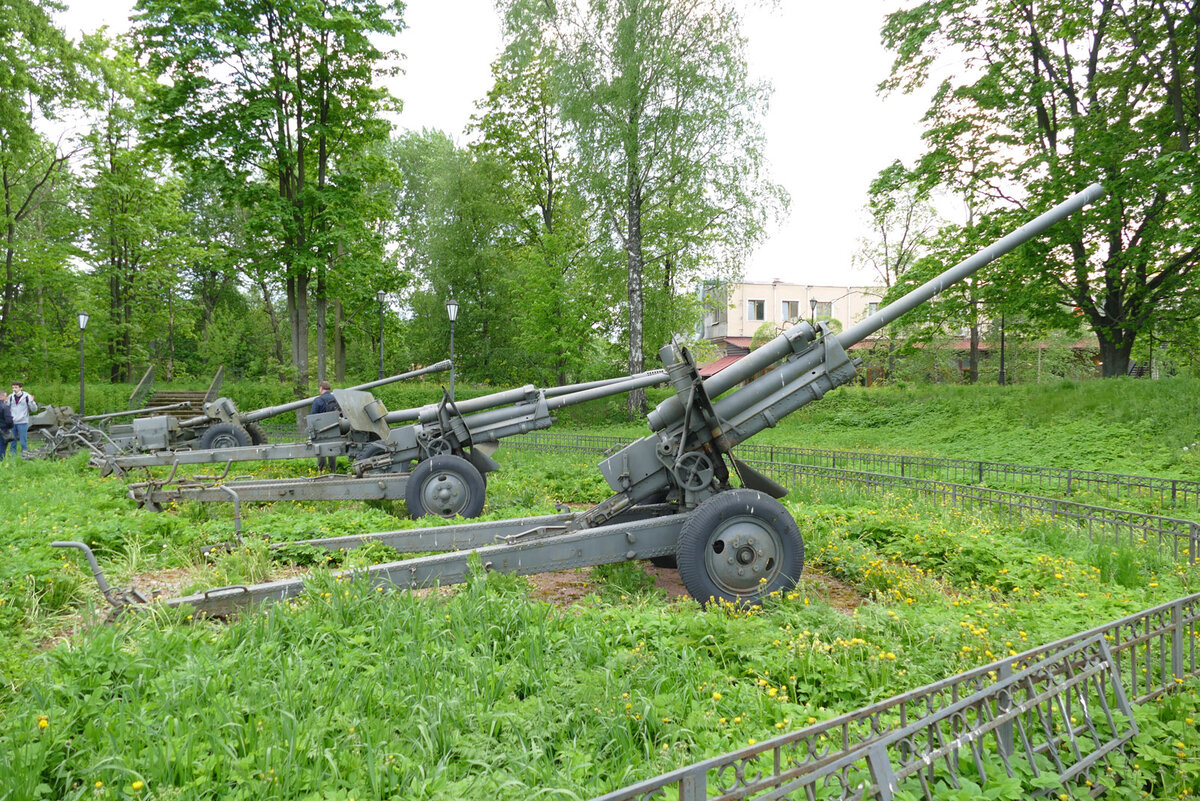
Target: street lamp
(379, 296)
(83, 321)
(812, 311)
(452, 313)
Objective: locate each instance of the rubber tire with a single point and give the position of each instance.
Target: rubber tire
(702, 531)
(258, 436)
(224, 435)
(438, 468)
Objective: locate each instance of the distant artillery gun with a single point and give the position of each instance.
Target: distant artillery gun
(164, 440)
(673, 495)
(437, 464)
(64, 432)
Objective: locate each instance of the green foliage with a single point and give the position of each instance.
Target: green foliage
(1024, 112)
(481, 690)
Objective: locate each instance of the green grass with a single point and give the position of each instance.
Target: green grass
(484, 691)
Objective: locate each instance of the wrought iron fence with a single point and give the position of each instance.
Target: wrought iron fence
(1060, 707)
(1179, 538)
(1166, 491)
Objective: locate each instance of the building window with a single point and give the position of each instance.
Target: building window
(756, 310)
(791, 310)
(824, 310)
(872, 308)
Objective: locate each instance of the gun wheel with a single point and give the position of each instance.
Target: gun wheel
(446, 486)
(258, 435)
(739, 546)
(224, 435)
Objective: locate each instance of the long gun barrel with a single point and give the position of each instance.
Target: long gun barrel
(92, 418)
(283, 408)
(797, 338)
(603, 388)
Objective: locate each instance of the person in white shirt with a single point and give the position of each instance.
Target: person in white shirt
(21, 405)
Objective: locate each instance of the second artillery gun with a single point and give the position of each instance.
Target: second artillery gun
(437, 463)
(162, 440)
(673, 489)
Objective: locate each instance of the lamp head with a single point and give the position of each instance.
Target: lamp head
(83, 320)
(452, 309)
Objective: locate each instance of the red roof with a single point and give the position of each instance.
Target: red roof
(712, 368)
(741, 342)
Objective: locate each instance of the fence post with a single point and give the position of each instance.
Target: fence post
(981, 472)
(1004, 732)
(1177, 640)
(882, 773)
(693, 786)
(901, 467)
(1194, 532)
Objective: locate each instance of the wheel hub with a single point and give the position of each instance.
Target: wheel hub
(742, 553)
(445, 494)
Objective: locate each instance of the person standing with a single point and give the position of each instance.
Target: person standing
(6, 423)
(21, 405)
(325, 402)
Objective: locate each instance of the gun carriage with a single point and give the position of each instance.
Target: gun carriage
(64, 432)
(223, 434)
(673, 489)
(438, 463)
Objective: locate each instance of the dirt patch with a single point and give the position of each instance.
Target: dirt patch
(562, 587)
(566, 587)
(838, 594)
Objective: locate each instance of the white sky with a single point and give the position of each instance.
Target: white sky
(828, 133)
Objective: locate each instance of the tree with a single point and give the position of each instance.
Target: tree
(664, 123)
(41, 72)
(521, 125)
(273, 96)
(136, 227)
(1055, 95)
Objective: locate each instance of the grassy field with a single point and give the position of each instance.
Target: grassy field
(487, 692)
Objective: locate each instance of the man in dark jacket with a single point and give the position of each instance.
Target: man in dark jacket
(325, 402)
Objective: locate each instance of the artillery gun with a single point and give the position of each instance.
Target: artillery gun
(64, 432)
(437, 464)
(164, 440)
(673, 494)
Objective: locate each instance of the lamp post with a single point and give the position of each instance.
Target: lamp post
(812, 311)
(83, 321)
(452, 313)
(379, 296)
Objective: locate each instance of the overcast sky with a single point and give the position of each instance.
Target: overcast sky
(828, 133)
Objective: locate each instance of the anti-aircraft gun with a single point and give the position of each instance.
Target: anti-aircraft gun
(437, 463)
(673, 489)
(221, 433)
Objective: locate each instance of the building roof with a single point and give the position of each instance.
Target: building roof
(712, 368)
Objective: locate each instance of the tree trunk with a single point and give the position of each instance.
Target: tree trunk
(339, 343)
(1115, 353)
(322, 323)
(278, 337)
(301, 336)
(633, 251)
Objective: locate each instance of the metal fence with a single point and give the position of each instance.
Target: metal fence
(1166, 491)
(1120, 527)
(1060, 708)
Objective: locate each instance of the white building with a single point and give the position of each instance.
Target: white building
(735, 311)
